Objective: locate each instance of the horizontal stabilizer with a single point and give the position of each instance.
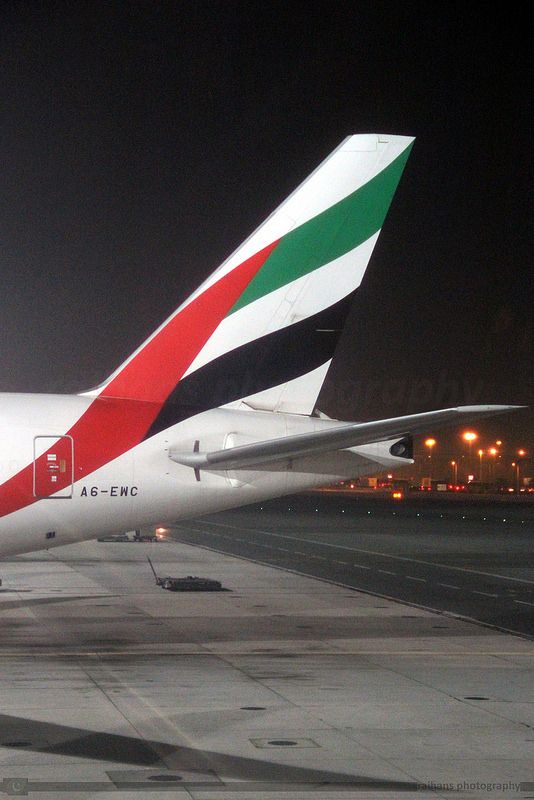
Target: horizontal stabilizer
(332, 438)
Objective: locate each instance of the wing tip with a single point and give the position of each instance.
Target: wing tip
(489, 409)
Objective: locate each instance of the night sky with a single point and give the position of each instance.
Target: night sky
(141, 142)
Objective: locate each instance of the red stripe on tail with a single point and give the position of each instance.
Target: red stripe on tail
(118, 419)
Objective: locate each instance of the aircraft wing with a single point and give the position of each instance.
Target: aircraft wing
(332, 438)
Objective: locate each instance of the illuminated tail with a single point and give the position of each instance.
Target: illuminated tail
(262, 328)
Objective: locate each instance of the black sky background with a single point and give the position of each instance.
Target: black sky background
(140, 143)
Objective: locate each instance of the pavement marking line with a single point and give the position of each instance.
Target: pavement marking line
(411, 578)
(360, 566)
(386, 572)
(486, 594)
(449, 586)
(374, 553)
(524, 603)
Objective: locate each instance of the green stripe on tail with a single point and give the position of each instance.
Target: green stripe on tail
(329, 235)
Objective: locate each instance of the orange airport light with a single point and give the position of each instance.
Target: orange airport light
(469, 436)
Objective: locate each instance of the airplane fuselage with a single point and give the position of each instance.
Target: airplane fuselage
(54, 491)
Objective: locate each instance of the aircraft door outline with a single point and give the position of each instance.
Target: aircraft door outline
(53, 467)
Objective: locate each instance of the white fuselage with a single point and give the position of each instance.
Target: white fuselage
(143, 486)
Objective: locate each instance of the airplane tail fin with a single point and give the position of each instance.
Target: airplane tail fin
(262, 328)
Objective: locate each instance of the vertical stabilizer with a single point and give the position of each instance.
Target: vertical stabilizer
(263, 327)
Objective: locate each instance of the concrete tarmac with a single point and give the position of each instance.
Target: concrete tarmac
(283, 686)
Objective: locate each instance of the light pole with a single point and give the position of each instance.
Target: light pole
(480, 454)
(469, 437)
(454, 466)
(515, 465)
(492, 452)
(430, 444)
(521, 453)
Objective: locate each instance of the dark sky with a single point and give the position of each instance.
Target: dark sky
(140, 143)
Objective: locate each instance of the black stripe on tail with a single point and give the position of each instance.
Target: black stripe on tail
(269, 361)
